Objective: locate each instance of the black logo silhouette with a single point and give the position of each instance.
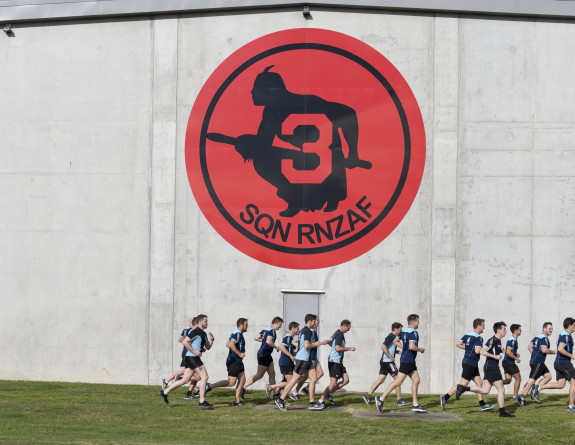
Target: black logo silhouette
(279, 103)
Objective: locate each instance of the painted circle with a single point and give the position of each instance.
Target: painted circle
(324, 74)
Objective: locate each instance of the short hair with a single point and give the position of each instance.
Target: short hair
(547, 323)
(396, 325)
(277, 320)
(568, 322)
(412, 317)
(194, 321)
(309, 317)
(345, 322)
(293, 324)
(201, 317)
(241, 322)
(478, 322)
(498, 326)
(514, 327)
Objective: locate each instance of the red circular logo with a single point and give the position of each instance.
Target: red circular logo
(305, 148)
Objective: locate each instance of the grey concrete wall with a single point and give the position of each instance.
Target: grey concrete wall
(105, 252)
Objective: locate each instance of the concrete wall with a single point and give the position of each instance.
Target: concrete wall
(105, 253)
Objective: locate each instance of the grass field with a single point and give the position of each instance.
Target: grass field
(38, 412)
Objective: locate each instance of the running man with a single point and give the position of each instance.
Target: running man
(338, 377)
(492, 374)
(539, 348)
(563, 366)
(235, 361)
(195, 342)
(390, 347)
(288, 348)
(511, 356)
(192, 323)
(303, 364)
(472, 344)
(407, 367)
(265, 361)
(315, 364)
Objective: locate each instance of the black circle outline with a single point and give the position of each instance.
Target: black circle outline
(406, 160)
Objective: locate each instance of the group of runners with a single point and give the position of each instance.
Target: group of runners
(299, 363)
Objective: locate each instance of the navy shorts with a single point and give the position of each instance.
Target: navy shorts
(565, 371)
(492, 375)
(286, 370)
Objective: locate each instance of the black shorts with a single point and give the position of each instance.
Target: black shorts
(407, 368)
(183, 362)
(537, 370)
(469, 372)
(510, 368)
(492, 375)
(302, 366)
(336, 370)
(265, 361)
(235, 369)
(565, 371)
(193, 362)
(286, 370)
(388, 368)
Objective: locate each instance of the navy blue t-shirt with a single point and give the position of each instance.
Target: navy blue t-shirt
(511, 343)
(566, 339)
(265, 349)
(407, 336)
(313, 351)
(238, 337)
(287, 342)
(471, 341)
(537, 356)
(337, 339)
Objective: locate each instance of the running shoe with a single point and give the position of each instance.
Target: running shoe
(487, 407)
(418, 409)
(442, 401)
(330, 399)
(294, 396)
(268, 390)
(571, 409)
(367, 399)
(280, 404)
(238, 404)
(379, 404)
(164, 397)
(505, 414)
(402, 402)
(316, 406)
(205, 405)
(521, 400)
(164, 384)
(305, 390)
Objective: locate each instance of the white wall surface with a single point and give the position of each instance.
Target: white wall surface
(105, 253)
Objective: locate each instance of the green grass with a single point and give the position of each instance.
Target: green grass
(42, 412)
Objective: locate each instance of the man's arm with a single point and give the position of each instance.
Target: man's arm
(286, 352)
(209, 344)
(258, 338)
(530, 348)
(386, 352)
(510, 354)
(487, 354)
(545, 350)
(460, 344)
(186, 343)
(339, 348)
(232, 345)
(270, 343)
(308, 345)
(561, 350)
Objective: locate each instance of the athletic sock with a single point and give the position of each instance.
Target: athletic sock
(466, 388)
(447, 396)
(189, 393)
(481, 402)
